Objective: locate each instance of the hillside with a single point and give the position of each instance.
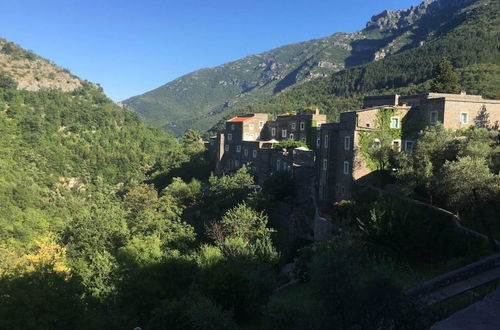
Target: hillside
(470, 40)
(33, 72)
(61, 147)
(200, 99)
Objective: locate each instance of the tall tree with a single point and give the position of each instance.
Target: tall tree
(445, 80)
(482, 119)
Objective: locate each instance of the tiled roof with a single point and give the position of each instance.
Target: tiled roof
(238, 119)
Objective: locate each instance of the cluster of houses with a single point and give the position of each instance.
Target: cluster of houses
(338, 154)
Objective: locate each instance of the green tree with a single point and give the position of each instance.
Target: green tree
(445, 80)
(192, 142)
(227, 190)
(7, 82)
(482, 119)
(417, 169)
(185, 194)
(460, 179)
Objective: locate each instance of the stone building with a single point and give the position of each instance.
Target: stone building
(394, 120)
(301, 127)
(250, 139)
(340, 154)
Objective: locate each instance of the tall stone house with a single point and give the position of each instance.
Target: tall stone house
(339, 153)
(250, 140)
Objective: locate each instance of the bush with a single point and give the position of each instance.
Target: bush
(7, 82)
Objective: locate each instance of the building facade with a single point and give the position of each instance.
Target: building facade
(249, 140)
(393, 120)
(339, 153)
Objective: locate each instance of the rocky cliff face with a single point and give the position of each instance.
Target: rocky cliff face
(396, 19)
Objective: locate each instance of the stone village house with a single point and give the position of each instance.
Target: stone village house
(335, 158)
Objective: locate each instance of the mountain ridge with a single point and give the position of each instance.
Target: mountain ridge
(199, 99)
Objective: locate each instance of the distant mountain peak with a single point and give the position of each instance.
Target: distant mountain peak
(393, 19)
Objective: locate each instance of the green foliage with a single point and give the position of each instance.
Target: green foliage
(445, 80)
(7, 81)
(376, 146)
(482, 120)
(289, 144)
(414, 232)
(186, 194)
(228, 190)
(466, 176)
(41, 300)
(417, 169)
(205, 315)
(350, 288)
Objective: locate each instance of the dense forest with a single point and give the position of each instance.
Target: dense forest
(109, 223)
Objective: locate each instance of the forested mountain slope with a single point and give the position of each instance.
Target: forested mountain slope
(200, 99)
(60, 149)
(469, 39)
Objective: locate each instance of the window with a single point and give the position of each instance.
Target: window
(229, 137)
(318, 127)
(254, 153)
(250, 127)
(318, 142)
(342, 190)
(302, 126)
(291, 136)
(238, 148)
(278, 165)
(346, 167)
(226, 147)
(325, 164)
(396, 145)
(285, 166)
(303, 140)
(232, 127)
(409, 145)
(347, 142)
(236, 163)
(261, 124)
(464, 118)
(273, 131)
(433, 117)
(326, 141)
(283, 133)
(246, 152)
(294, 125)
(376, 143)
(394, 122)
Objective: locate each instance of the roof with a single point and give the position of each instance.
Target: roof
(238, 119)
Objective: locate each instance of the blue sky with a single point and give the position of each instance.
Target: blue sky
(132, 46)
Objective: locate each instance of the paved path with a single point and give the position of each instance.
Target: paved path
(462, 286)
(483, 315)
